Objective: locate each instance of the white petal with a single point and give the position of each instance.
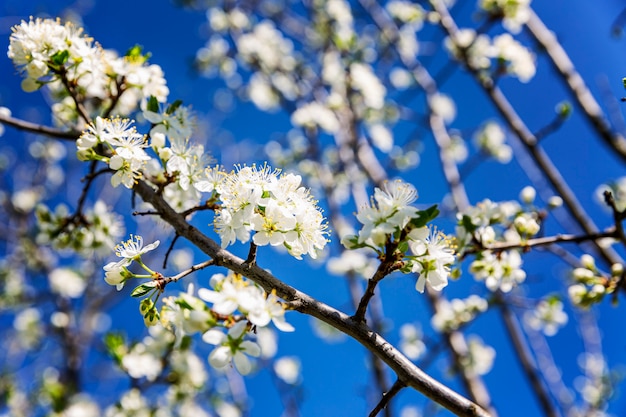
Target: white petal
(421, 282)
(242, 363)
(282, 325)
(220, 357)
(238, 329)
(250, 348)
(213, 337)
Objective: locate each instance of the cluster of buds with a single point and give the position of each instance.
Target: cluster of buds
(590, 284)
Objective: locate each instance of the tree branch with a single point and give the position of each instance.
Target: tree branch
(526, 360)
(402, 366)
(39, 129)
(576, 85)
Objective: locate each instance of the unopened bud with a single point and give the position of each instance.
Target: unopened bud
(527, 195)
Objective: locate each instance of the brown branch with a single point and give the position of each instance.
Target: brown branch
(526, 361)
(529, 141)
(387, 397)
(457, 345)
(542, 241)
(39, 129)
(408, 372)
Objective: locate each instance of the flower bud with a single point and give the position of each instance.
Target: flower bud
(527, 195)
(588, 262)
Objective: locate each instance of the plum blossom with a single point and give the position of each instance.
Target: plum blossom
(231, 348)
(547, 316)
(433, 257)
(502, 271)
(274, 206)
(130, 250)
(232, 293)
(388, 211)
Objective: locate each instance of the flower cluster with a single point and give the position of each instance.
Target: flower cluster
(514, 13)
(453, 314)
(411, 341)
(590, 284)
(126, 146)
(97, 232)
(61, 57)
(130, 251)
(39, 44)
(233, 293)
(487, 223)
(490, 139)
(391, 219)
(503, 54)
(151, 358)
(275, 206)
(479, 357)
(547, 316)
(236, 304)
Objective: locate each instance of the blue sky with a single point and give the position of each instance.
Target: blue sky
(335, 375)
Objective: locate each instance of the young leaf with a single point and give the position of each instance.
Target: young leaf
(143, 289)
(153, 104)
(60, 58)
(172, 107)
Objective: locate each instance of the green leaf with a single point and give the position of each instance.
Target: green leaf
(467, 224)
(172, 107)
(143, 289)
(425, 216)
(60, 57)
(136, 55)
(153, 104)
(403, 246)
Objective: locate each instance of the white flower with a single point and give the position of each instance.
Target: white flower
(433, 257)
(500, 272)
(390, 210)
(479, 358)
(315, 114)
(140, 363)
(287, 368)
(225, 301)
(231, 348)
(453, 314)
(367, 83)
(519, 61)
(491, 140)
(515, 12)
(443, 106)
(411, 343)
(176, 125)
(67, 282)
(275, 206)
(130, 250)
(547, 316)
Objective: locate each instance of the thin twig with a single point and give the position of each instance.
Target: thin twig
(387, 397)
(163, 281)
(386, 267)
(169, 250)
(543, 241)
